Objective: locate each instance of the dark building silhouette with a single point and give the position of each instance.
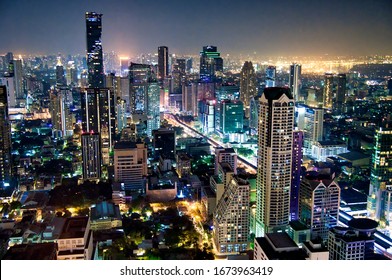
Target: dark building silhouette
(94, 49)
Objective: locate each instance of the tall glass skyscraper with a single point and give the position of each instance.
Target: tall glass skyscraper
(211, 64)
(276, 124)
(380, 192)
(94, 49)
(294, 80)
(248, 87)
(5, 139)
(163, 62)
(270, 74)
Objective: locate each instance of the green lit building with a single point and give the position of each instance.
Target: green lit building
(380, 192)
(231, 117)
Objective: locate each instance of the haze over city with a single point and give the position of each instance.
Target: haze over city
(265, 28)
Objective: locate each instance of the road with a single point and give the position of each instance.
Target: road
(174, 120)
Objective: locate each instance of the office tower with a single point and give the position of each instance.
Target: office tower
(144, 95)
(60, 76)
(189, 98)
(328, 91)
(380, 192)
(181, 65)
(189, 65)
(254, 115)
(125, 92)
(111, 62)
(153, 110)
(9, 84)
(5, 139)
(62, 119)
(248, 86)
(121, 120)
(319, 201)
(211, 64)
(175, 80)
(231, 219)
(207, 115)
(225, 155)
(18, 79)
(340, 94)
(99, 115)
(276, 124)
(72, 74)
(270, 74)
(225, 92)
(231, 117)
(94, 50)
(130, 165)
(163, 63)
(164, 142)
(298, 136)
(311, 121)
(124, 66)
(91, 155)
(295, 80)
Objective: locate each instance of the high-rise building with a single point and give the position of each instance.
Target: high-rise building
(231, 117)
(164, 142)
(276, 124)
(130, 165)
(319, 204)
(144, 95)
(298, 136)
(60, 75)
(18, 79)
(270, 75)
(328, 91)
(311, 121)
(207, 115)
(99, 115)
(163, 62)
(231, 219)
(340, 94)
(227, 155)
(91, 155)
(295, 80)
(9, 84)
(124, 66)
(5, 139)
(94, 50)
(248, 86)
(211, 64)
(62, 119)
(380, 192)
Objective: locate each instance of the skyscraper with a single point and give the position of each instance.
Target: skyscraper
(164, 142)
(248, 88)
(319, 204)
(163, 62)
(94, 50)
(60, 76)
(380, 192)
(231, 219)
(91, 155)
(276, 124)
(294, 80)
(340, 94)
(211, 64)
(298, 137)
(5, 139)
(270, 74)
(18, 79)
(130, 164)
(99, 115)
(328, 91)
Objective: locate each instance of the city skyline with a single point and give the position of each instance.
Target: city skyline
(248, 28)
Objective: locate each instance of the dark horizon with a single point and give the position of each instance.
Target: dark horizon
(261, 28)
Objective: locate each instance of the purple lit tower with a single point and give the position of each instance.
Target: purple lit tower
(298, 137)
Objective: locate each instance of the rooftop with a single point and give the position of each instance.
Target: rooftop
(274, 93)
(74, 227)
(34, 251)
(351, 156)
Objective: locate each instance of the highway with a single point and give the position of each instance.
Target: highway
(251, 168)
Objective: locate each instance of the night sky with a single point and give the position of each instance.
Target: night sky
(269, 28)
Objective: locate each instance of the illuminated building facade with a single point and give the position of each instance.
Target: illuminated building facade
(211, 64)
(295, 80)
(163, 62)
(94, 50)
(328, 91)
(248, 86)
(91, 155)
(380, 192)
(276, 124)
(5, 139)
